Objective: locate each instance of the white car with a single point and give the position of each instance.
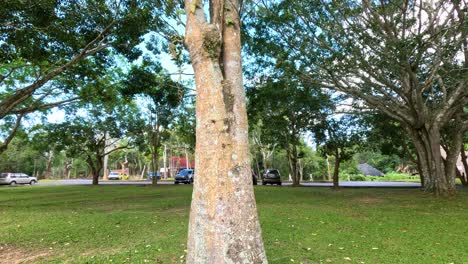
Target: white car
(114, 176)
(16, 178)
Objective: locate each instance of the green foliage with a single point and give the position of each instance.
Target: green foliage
(284, 108)
(386, 145)
(21, 156)
(55, 52)
(384, 163)
(151, 81)
(94, 130)
(394, 176)
(358, 177)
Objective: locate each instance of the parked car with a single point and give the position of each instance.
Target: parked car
(150, 175)
(254, 178)
(16, 178)
(271, 176)
(185, 176)
(113, 175)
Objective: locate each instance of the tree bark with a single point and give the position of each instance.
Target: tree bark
(224, 226)
(49, 157)
(293, 166)
(428, 147)
(95, 168)
(336, 172)
(328, 169)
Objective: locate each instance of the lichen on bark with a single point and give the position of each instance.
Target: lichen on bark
(212, 41)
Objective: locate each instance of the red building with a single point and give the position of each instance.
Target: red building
(179, 163)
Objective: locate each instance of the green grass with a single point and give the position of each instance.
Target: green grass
(134, 224)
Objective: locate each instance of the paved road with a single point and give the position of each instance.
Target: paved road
(353, 184)
(89, 182)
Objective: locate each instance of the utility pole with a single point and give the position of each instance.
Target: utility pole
(106, 156)
(187, 162)
(165, 161)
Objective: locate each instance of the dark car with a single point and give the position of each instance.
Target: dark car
(271, 176)
(254, 178)
(184, 176)
(150, 175)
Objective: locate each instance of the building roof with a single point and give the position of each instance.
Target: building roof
(367, 169)
(180, 162)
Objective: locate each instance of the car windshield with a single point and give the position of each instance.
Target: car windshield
(185, 172)
(275, 172)
(114, 173)
(3, 175)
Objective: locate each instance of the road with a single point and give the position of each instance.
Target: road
(351, 184)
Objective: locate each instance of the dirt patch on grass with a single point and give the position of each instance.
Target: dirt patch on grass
(368, 200)
(177, 210)
(13, 255)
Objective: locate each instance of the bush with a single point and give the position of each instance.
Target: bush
(358, 177)
(372, 178)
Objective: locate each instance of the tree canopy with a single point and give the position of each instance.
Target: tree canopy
(408, 59)
(50, 51)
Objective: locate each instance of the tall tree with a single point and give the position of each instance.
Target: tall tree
(150, 81)
(284, 109)
(338, 138)
(224, 226)
(408, 59)
(96, 130)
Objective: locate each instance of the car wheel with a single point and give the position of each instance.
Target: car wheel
(191, 181)
(13, 183)
(176, 182)
(32, 182)
(279, 183)
(263, 183)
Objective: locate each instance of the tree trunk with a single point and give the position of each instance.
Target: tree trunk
(223, 226)
(48, 171)
(336, 172)
(142, 174)
(67, 168)
(428, 148)
(293, 166)
(328, 169)
(95, 178)
(420, 172)
(95, 168)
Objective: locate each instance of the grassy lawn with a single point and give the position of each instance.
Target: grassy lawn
(137, 224)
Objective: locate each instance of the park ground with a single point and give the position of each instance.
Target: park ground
(144, 224)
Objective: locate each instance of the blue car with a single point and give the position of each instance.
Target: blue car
(184, 176)
(150, 175)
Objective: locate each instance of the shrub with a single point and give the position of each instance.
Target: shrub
(358, 177)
